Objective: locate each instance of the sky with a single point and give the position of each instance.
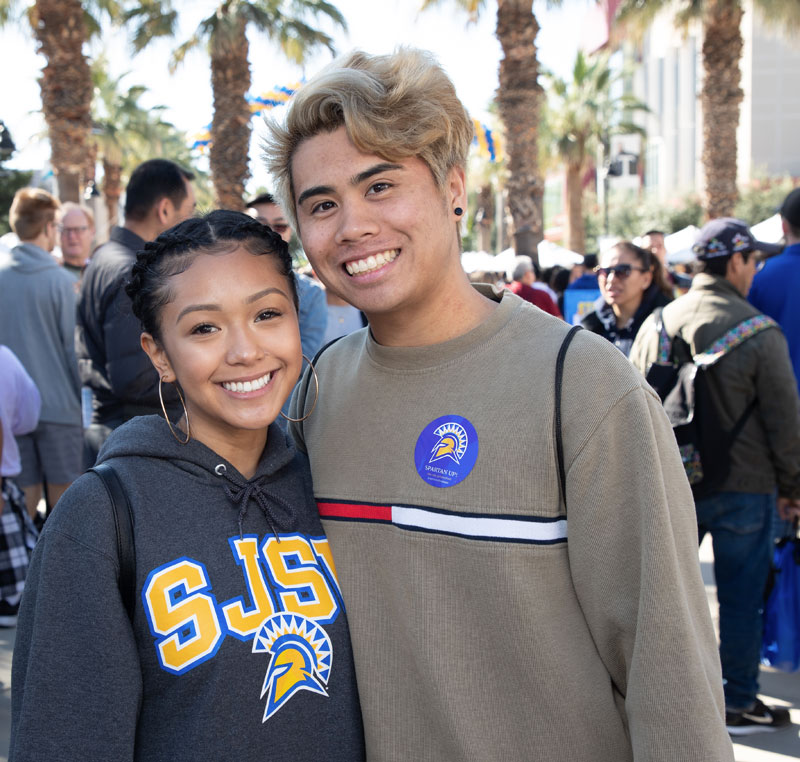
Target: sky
(469, 52)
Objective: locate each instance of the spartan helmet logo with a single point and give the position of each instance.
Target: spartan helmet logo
(301, 658)
(452, 442)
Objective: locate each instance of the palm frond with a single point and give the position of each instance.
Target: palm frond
(180, 53)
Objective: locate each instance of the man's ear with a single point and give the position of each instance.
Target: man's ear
(158, 356)
(456, 188)
(164, 212)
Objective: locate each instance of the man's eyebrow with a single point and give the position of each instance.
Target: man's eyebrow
(376, 170)
(320, 190)
(317, 190)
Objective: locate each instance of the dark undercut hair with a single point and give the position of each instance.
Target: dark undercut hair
(173, 252)
(262, 198)
(150, 182)
(719, 265)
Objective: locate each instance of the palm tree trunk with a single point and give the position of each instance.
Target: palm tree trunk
(518, 100)
(485, 217)
(576, 235)
(230, 127)
(66, 86)
(112, 190)
(720, 98)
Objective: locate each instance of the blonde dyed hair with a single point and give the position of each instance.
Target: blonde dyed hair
(31, 210)
(394, 106)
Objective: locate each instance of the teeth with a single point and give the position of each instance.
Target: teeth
(247, 386)
(373, 262)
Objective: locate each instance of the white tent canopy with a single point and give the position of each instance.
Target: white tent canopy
(679, 245)
(768, 231)
(550, 255)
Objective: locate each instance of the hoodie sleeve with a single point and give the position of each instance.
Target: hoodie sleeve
(76, 681)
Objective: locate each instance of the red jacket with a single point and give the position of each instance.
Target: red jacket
(536, 296)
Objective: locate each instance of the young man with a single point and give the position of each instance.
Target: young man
(765, 456)
(489, 619)
(37, 322)
(111, 361)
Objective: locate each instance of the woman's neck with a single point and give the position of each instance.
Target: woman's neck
(242, 448)
(624, 313)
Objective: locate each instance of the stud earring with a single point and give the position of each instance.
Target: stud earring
(459, 211)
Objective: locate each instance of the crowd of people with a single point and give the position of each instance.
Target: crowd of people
(480, 510)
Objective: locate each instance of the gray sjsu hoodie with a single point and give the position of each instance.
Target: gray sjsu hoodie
(238, 649)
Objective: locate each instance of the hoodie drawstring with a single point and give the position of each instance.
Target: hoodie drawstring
(240, 493)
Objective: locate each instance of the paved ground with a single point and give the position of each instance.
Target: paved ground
(776, 687)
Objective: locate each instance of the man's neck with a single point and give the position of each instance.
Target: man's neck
(145, 229)
(451, 316)
(41, 241)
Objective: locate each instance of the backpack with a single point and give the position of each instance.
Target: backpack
(681, 381)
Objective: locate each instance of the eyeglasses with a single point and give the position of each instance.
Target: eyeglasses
(618, 271)
(67, 231)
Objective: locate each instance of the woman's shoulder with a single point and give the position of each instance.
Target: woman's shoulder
(84, 514)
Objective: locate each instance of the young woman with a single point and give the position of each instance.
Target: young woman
(632, 285)
(237, 646)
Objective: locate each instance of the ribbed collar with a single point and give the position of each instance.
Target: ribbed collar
(433, 355)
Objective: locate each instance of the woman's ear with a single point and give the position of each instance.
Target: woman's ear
(158, 357)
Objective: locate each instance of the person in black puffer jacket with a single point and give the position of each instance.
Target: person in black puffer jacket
(632, 285)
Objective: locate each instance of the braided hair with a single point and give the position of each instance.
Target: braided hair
(173, 252)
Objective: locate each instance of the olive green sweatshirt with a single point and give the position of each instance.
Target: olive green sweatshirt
(489, 621)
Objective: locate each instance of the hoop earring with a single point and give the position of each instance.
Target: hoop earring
(316, 384)
(166, 417)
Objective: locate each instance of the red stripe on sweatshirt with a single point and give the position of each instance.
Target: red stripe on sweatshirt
(355, 511)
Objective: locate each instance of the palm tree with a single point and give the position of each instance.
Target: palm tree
(519, 97)
(61, 27)
(582, 114)
(125, 133)
(225, 34)
(721, 93)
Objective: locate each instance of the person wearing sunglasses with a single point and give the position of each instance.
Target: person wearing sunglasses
(631, 281)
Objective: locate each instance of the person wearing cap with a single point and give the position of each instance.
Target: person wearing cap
(776, 286)
(765, 455)
(523, 277)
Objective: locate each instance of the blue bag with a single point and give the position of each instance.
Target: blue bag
(780, 646)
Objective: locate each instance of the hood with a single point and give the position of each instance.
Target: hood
(29, 258)
(150, 437)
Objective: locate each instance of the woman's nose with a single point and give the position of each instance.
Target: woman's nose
(243, 347)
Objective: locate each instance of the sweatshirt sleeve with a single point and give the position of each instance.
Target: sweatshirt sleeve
(633, 555)
(76, 681)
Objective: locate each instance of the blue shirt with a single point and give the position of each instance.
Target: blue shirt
(776, 292)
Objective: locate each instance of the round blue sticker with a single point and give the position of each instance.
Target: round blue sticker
(446, 451)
